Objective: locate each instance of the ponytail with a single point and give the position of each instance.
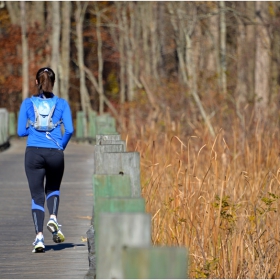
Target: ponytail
(45, 78)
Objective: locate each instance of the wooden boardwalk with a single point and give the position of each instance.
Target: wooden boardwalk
(60, 261)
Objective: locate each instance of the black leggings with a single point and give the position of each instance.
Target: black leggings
(43, 165)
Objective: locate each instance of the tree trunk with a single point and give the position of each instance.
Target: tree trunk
(262, 62)
(184, 31)
(175, 8)
(85, 101)
(154, 40)
(144, 10)
(25, 76)
(37, 14)
(275, 61)
(163, 35)
(49, 20)
(14, 11)
(251, 48)
(55, 43)
(65, 50)
(193, 82)
(241, 84)
(100, 60)
(128, 36)
(121, 47)
(223, 62)
(106, 100)
(212, 48)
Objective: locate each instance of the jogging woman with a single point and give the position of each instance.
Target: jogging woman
(40, 119)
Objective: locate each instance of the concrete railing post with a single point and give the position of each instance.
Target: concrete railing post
(12, 124)
(92, 124)
(155, 262)
(4, 129)
(100, 137)
(123, 163)
(80, 124)
(116, 232)
(120, 245)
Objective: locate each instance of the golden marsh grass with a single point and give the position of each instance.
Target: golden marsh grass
(217, 197)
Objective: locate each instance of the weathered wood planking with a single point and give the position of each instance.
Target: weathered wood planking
(60, 261)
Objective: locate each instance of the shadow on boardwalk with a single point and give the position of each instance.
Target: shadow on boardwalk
(67, 260)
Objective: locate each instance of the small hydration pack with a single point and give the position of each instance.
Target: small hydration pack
(43, 109)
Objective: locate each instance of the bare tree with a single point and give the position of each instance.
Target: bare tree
(241, 83)
(223, 62)
(14, 11)
(213, 65)
(36, 13)
(121, 47)
(263, 44)
(175, 9)
(275, 67)
(24, 41)
(145, 22)
(55, 42)
(184, 19)
(85, 101)
(251, 47)
(99, 83)
(128, 33)
(64, 68)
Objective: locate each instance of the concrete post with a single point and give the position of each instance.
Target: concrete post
(116, 205)
(123, 163)
(12, 124)
(155, 263)
(80, 125)
(111, 186)
(113, 136)
(117, 231)
(113, 142)
(98, 157)
(92, 124)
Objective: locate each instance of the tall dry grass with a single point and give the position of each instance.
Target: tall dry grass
(217, 197)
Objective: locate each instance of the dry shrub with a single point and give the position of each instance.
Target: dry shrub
(217, 197)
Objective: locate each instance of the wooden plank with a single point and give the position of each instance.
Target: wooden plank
(60, 261)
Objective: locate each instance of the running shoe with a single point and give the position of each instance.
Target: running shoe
(39, 246)
(54, 228)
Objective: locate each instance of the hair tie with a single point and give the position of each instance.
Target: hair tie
(46, 70)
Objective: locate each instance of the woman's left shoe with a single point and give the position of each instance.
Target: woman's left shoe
(54, 228)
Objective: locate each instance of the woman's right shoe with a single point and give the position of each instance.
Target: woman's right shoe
(54, 228)
(39, 246)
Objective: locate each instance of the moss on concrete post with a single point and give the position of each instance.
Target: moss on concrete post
(155, 262)
(116, 231)
(80, 125)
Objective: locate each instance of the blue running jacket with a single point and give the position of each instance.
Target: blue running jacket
(39, 139)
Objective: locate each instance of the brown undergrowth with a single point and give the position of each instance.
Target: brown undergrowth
(218, 197)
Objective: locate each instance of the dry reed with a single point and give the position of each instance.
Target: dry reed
(217, 197)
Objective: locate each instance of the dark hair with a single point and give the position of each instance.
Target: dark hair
(45, 78)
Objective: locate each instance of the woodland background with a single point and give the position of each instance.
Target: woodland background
(194, 87)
